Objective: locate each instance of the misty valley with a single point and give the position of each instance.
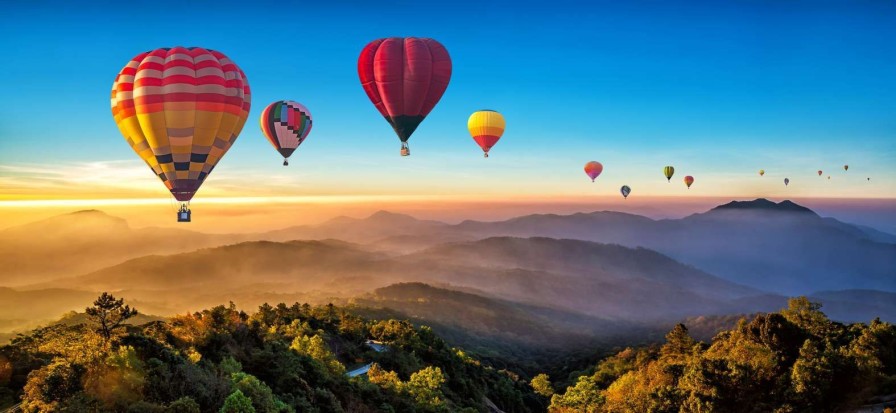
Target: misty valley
(750, 306)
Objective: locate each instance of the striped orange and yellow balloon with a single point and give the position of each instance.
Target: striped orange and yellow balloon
(486, 127)
(181, 109)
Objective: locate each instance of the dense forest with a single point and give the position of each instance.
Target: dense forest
(296, 358)
(279, 359)
(795, 360)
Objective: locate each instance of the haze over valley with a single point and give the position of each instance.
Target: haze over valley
(587, 275)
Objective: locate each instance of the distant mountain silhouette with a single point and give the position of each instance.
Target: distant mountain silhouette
(597, 279)
(766, 205)
(783, 247)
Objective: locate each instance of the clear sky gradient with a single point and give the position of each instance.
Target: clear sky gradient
(717, 89)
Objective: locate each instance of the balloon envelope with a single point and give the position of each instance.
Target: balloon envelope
(181, 109)
(625, 190)
(688, 180)
(286, 124)
(786, 181)
(761, 172)
(668, 172)
(845, 167)
(404, 79)
(593, 169)
(819, 173)
(486, 127)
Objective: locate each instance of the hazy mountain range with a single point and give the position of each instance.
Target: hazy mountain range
(575, 276)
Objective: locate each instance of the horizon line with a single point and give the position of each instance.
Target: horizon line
(348, 199)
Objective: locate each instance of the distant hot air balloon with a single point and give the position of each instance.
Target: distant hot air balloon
(845, 167)
(593, 169)
(286, 124)
(668, 172)
(688, 180)
(786, 181)
(869, 179)
(404, 78)
(761, 172)
(819, 173)
(829, 177)
(625, 190)
(181, 109)
(486, 127)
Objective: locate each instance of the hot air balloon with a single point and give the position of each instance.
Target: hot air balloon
(845, 167)
(486, 127)
(669, 171)
(286, 124)
(404, 78)
(761, 172)
(593, 169)
(688, 180)
(829, 177)
(625, 190)
(786, 181)
(181, 109)
(819, 173)
(869, 179)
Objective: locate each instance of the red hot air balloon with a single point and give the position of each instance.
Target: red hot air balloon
(404, 78)
(593, 169)
(688, 180)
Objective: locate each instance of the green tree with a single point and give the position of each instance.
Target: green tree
(807, 315)
(237, 402)
(541, 384)
(50, 386)
(118, 381)
(678, 344)
(109, 313)
(263, 399)
(317, 349)
(425, 386)
(184, 405)
(230, 366)
(584, 397)
(383, 378)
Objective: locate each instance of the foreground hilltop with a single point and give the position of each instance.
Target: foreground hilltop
(279, 359)
(291, 358)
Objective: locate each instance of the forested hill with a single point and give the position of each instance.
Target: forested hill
(795, 360)
(296, 358)
(279, 359)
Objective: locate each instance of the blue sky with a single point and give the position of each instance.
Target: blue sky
(718, 89)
